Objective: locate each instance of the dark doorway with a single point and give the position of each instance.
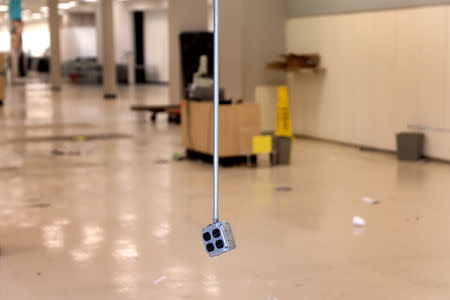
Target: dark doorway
(139, 45)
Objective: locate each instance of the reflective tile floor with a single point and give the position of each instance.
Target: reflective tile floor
(119, 219)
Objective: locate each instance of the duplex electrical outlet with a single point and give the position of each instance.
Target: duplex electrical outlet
(218, 238)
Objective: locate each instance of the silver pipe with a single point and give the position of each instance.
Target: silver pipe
(216, 112)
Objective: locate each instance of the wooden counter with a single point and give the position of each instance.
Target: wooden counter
(238, 124)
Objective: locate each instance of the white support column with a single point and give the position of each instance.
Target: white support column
(55, 51)
(108, 50)
(184, 15)
(16, 31)
(99, 31)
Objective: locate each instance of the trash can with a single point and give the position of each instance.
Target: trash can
(410, 146)
(281, 150)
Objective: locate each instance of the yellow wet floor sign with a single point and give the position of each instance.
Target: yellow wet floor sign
(284, 123)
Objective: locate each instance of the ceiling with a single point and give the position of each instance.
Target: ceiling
(34, 6)
(132, 4)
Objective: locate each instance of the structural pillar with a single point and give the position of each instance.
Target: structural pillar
(108, 50)
(55, 51)
(184, 16)
(16, 27)
(99, 31)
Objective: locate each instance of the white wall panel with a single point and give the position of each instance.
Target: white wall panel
(433, 36)
(382, 89)
(123, 31)
(297, 8)
(157, 45)
(78, 42)
(36, 38)
(447, 66)
(385, 71)
(444, 137)
(5, 39)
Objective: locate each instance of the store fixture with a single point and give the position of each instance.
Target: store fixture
(298, 62)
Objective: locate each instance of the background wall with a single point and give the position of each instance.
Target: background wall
(232, 47)
(36, 38)
(249, 39)
(157, 45)
(210, 16)
(5, 43)
(385, 70)
(78, 38)
(123, 31)
(264, 41)
(183, 16)
(297, 8)
(78, 42)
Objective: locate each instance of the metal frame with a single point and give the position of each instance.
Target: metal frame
(216, 112)
(218, 237)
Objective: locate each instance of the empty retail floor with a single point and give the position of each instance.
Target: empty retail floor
(117, 218)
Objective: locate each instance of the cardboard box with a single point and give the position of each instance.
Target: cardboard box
(239, 123)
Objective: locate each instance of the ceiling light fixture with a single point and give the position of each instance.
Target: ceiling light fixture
(36, 16)
(67, 5)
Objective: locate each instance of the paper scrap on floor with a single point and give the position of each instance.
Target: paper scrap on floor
(359, 222)
(159, 280)
(369, 200)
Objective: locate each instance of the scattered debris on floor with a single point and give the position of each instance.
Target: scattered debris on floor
(68, 152)
(359, 222)
(159, 280)
(80, 138)
(369, 200)
(70, 138)
(417, 219)
(161, 161)
(358, 231)
(39, 205)
(178, 157)
(284, 189)
(78, 148)
(8, 169)
(10, 160)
